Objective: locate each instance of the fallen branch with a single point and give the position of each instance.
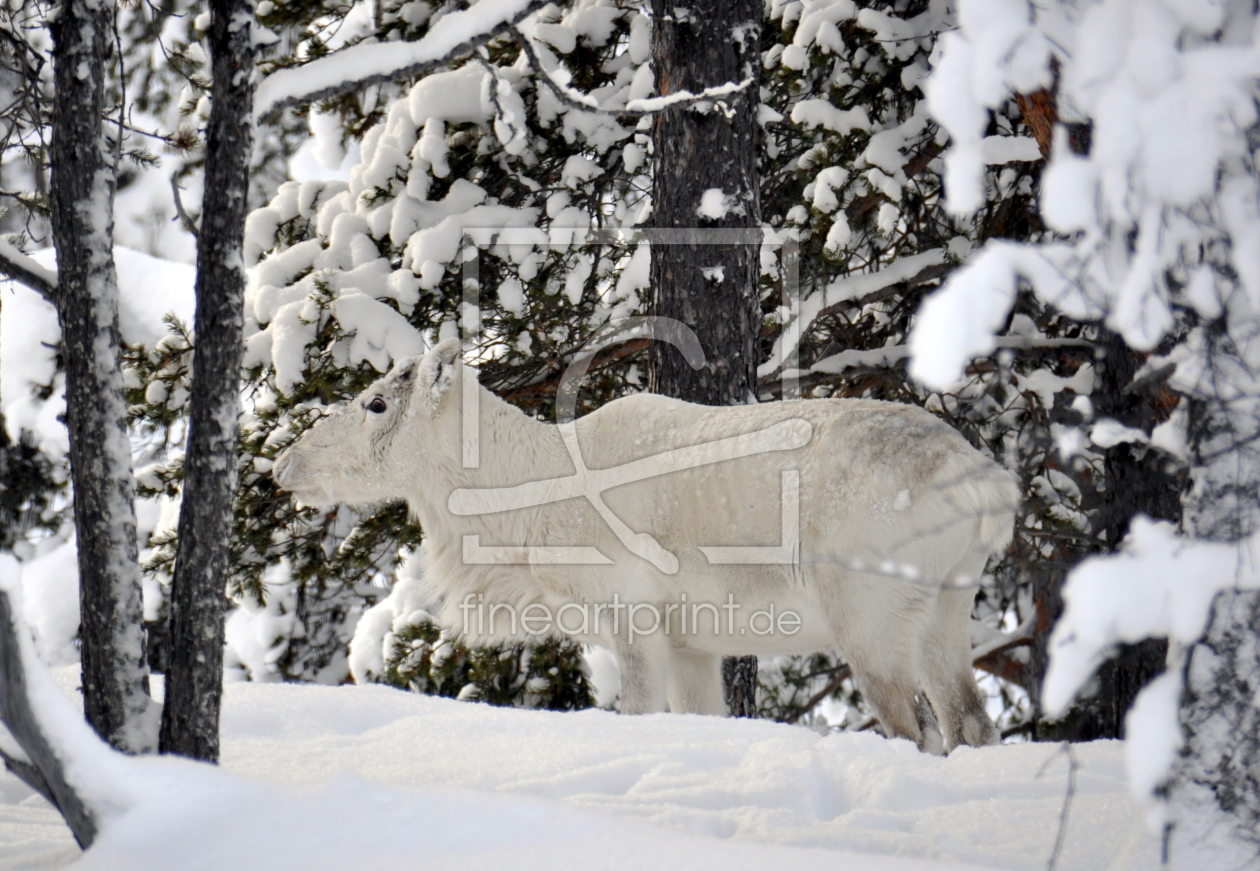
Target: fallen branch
(44, 768)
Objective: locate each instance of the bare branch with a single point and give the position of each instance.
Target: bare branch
(20, 267)
(834, 684)
(1065, 748)
(184, 218)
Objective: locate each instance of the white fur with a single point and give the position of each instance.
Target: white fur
(882, 485)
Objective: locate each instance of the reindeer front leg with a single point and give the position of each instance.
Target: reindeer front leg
(643, 660)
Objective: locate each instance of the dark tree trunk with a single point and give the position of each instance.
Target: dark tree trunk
(697, 149)
(115, 678)
(194, 678)
(739, 685)
(1137, 482)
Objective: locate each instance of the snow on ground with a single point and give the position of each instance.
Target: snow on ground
(371, 777)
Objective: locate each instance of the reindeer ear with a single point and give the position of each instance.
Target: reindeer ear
(437, 374)
(404, 371)
(447, 351)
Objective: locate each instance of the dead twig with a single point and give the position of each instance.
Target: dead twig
(184, 218)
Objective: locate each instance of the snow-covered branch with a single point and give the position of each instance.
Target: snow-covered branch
(635, 108)
(1001, 642)
(852, 290)
(893, 355)
(20, 267)
(372, 63)
(652, 105)
(854, 358)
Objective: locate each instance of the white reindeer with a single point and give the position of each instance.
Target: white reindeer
(894, 507)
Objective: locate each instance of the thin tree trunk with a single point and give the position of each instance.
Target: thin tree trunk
(115, 677)
(713, 289)
(194, 679)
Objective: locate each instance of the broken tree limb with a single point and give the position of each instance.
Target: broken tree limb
(16, 265)
(44, 769)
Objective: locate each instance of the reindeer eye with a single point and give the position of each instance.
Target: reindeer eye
(376, 406)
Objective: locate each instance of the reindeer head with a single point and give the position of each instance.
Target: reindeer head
(376, 445)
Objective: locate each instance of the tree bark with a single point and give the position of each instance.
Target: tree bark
(194, 679)
(1213, 787)
(1138, 482)
(711, 288)
(115, 677)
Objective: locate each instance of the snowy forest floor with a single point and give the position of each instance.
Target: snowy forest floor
(371, 777)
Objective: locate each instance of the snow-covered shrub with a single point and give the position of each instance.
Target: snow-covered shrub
(1192, 730)
(399, 642)
(257, 635)
(548, 674)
